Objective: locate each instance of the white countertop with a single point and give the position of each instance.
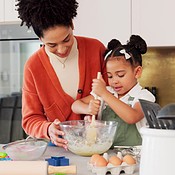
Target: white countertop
(79, 161)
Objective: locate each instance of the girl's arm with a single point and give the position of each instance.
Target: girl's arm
(87, 105)
(128, 114)
(124, 111)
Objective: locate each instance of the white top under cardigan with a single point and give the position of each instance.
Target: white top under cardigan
(69, 75)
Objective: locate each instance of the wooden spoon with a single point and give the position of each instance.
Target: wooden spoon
(91, 132)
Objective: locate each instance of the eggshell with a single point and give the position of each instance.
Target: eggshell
(106, 156)
(129, 159)
(119, 155)
(94, 158)
(100, 162)
(114, 160)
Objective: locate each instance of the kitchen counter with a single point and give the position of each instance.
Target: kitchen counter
(79, 161)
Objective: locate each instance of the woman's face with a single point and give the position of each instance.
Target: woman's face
(121, 75)
(58, 40)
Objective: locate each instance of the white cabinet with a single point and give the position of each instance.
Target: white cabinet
(154, 21)
(8, 11)
(104, 19)
(1, 10)
(107, 19)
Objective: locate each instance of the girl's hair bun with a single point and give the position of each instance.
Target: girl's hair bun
(114, 43)
(138, 43)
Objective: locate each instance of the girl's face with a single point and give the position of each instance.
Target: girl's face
(121, 75)
(58, 40)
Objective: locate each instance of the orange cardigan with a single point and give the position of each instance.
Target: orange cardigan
(43, 99)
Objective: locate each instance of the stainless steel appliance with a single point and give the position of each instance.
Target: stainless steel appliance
(17, 43)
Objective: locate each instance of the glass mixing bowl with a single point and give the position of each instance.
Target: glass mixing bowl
(26, 149)
(76, 133)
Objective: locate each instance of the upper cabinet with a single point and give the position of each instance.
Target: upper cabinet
(8, 11)
(1, 10)
(154, 21)
(104, 19)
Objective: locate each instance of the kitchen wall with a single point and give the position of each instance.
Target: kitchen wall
(159, 72)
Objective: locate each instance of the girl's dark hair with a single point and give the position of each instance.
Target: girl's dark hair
(135, 47)
(43, 14)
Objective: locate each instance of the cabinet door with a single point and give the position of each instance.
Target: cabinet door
(104, 19)
(154, 21)
(10, 11)
(1, 10)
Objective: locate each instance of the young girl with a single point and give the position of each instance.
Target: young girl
(119, 100)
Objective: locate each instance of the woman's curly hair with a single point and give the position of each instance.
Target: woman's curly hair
(43, 14)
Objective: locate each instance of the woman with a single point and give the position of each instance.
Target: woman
(60, 72)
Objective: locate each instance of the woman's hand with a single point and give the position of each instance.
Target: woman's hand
(56, 134)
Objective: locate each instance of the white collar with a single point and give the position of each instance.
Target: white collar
(133, 92)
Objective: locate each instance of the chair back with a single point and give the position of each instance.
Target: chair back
(10, 119)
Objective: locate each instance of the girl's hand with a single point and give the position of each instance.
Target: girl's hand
(99, 86)
(56, 134)
(88, 118)
(94, 106)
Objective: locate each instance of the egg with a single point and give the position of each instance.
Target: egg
(94, 158)
(114, 160)
(100, 162)
(129, 159)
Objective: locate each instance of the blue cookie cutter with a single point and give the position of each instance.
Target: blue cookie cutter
(52, 144)
(58, 161)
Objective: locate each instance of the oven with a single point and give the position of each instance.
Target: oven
(17, 43)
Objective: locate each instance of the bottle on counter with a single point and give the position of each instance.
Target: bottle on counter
(154, 92)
